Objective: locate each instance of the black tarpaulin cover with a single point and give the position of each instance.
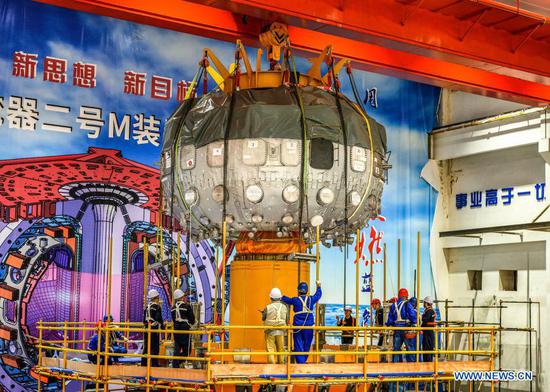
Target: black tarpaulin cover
(271, 113)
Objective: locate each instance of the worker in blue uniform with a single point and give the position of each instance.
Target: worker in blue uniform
(304, 308)
(116, 338)
(93, 345)
(402, 314)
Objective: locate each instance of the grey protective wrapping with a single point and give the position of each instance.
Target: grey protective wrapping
(264, 144)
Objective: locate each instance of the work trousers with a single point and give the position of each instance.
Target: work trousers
(302, 343)
(182, 344)
(398, 340)
(275, 343)
(155, 348)
(346, 339)
(428, 344)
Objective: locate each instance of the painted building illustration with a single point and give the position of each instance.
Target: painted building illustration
(58, 216)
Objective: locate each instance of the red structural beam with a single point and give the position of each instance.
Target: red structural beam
(414, 26)
(422, 64)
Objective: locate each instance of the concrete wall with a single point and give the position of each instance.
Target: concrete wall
(458, 106)
(527, 252)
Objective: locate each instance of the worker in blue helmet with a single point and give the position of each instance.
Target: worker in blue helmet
(304, 308)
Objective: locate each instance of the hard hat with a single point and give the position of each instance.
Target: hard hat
(393, 300)
(302, 287)
(413, 301)
(105, 318)
(403, 293)
(275, 293)
(429, 300)
(153, 294)
(347, 308)
(178, 294)
(375, 301)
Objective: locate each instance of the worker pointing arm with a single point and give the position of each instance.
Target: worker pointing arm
(303, 306)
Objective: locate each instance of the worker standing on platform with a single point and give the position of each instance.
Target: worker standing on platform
(183, 318)
(378, 312)
(347, 321)
(402, 314)
(152, 315)
(275, 314)
(428, 336)
(304, 308)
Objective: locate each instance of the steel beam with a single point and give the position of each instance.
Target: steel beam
(380, 22)
(223, 24)
(508, 130)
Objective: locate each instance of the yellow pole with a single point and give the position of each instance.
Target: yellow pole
(148, 369)
(371, 284)
(365, 355)
(216, 277)
(317, 259)
(357, 257)
(418, 294)
(178, 258)
(384, 295)
(492, 358)
(288, 358)
(436, 359)
(209, 350)
(173, 273)
(106, 357)
(109, 276)
(40, 343)
(65, 344)
(145, 270)
(98, 355)
(222, 283)
(398, 264)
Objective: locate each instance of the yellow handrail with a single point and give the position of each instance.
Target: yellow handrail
(102, 373)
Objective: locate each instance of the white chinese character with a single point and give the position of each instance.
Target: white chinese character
(91, 120)
(23, 113)
(146, 129)
(56, 127)
(118, 129)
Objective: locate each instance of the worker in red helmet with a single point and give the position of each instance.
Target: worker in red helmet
(402, 314)
(378, 314)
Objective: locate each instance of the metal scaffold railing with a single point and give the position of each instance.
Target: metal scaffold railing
(359, 364)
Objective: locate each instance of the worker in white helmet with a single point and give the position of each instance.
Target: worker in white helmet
(183, 318)
(152, 316)
(275, 314)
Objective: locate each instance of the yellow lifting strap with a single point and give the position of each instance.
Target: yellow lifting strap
(216, 76)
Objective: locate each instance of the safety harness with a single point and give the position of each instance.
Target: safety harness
(276, 309)
(398, 308)
(180, 306)
(305, 308)
(148, 316)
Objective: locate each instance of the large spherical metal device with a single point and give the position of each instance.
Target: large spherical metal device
(276, 156)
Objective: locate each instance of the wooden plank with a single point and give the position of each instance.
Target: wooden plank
(251, 370)
(128, 371)
(234, 370)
